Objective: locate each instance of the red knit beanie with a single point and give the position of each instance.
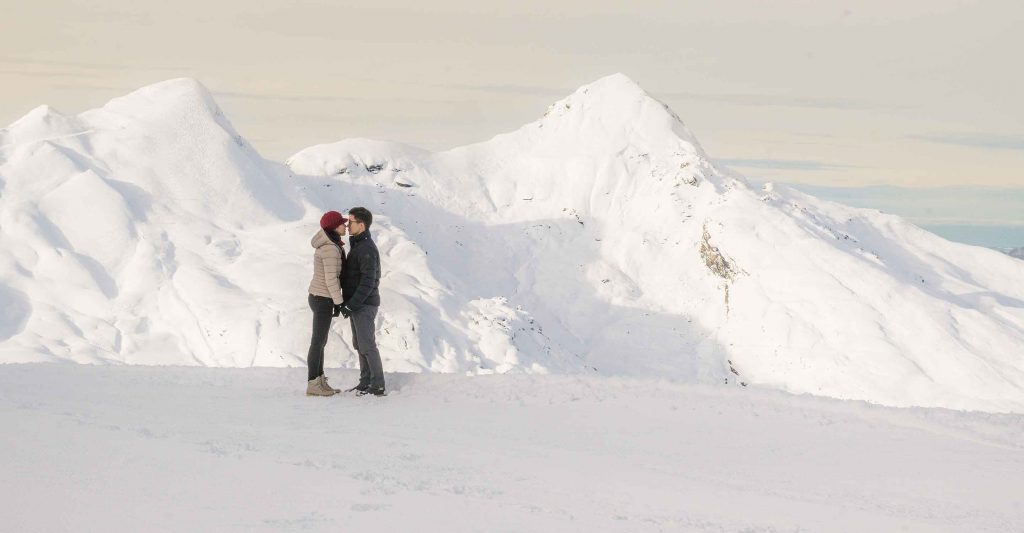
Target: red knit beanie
(331, 220)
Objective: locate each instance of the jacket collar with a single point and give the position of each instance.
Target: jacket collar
(321, 239)
(355, 239)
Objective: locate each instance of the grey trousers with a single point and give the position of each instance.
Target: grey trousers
(364, 340)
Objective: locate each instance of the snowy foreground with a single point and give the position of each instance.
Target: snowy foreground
(122, 448)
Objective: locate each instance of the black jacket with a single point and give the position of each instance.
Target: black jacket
(361, 276)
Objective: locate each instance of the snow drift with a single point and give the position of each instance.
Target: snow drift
(599, 239)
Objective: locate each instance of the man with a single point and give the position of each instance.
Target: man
(359, 282)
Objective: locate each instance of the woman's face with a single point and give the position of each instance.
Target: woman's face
(340, 230)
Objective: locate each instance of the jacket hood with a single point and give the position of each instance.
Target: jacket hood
(321, 239)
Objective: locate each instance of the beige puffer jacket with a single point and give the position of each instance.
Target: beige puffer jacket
(328, 260)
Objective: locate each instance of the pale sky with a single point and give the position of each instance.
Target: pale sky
(896, 93)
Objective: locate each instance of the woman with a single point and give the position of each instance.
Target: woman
(324, 296)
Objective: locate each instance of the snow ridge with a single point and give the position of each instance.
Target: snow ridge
(599, 238)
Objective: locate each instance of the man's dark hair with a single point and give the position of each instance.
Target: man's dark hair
(362, 214)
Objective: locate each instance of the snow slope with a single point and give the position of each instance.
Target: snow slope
(641, 258)
(207, 449)
(599, 239)
(120, 227)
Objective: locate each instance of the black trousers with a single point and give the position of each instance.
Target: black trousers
(322, 309)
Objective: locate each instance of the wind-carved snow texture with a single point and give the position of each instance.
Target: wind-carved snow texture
(597, 239)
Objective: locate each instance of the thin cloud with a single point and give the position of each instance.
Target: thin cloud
(125, 89)
(225, 94)
(48, 74)
(780, 101)
(84, 65)
(508, 89)
(326, 98)
(990, 142)
(782, 164)
(286, 97)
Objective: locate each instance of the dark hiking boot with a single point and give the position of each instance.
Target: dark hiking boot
(376, 391)
(359, 388)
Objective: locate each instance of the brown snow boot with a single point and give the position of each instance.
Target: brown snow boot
(323, 381)
(315, 387)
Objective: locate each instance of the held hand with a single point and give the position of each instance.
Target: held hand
(345, 311)
(337, 311)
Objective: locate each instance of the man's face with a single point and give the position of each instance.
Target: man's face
(355, 227)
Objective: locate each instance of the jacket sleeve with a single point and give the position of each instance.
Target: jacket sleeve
(332, 269)
(369, 267)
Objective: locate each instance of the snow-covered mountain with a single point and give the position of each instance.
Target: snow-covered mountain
(598, 239)
(122, 232)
